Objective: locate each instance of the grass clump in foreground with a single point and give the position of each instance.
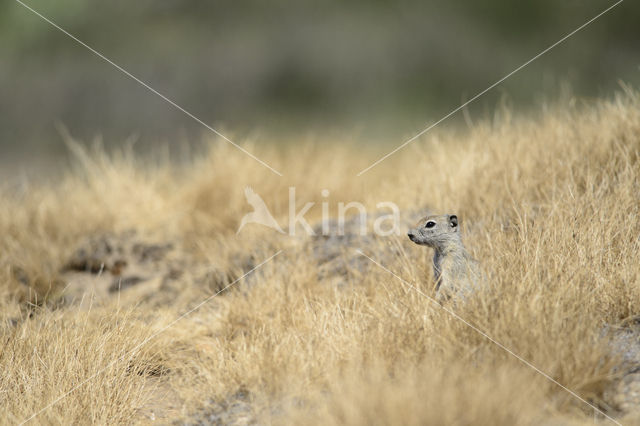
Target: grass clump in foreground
(549, 207)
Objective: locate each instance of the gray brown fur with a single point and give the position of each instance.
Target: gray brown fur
(455, 271)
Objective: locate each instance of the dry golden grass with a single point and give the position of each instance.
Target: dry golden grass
(550, 207)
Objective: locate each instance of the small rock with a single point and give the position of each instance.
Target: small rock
(120, 284)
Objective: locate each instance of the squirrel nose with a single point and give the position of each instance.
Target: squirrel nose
(410, 235)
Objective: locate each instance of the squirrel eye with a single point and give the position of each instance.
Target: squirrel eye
(430, 224)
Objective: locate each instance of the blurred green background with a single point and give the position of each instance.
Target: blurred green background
(378, 71)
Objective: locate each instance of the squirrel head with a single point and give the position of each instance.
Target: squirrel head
(435, 231)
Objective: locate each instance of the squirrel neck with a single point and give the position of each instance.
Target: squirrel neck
(452, 246)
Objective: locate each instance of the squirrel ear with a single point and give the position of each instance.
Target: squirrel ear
(453, 220)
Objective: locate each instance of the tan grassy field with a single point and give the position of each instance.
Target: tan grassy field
(549, 205)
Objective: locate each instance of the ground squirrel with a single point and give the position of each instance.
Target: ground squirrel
(455, 271)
